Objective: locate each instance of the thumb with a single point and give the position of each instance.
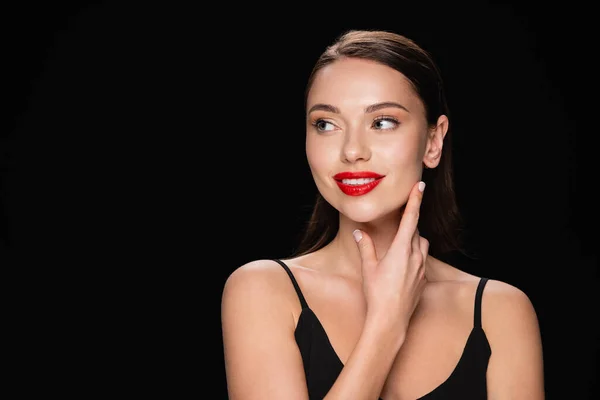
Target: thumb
(366, 249)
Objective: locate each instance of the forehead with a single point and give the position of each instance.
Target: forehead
(355, 81)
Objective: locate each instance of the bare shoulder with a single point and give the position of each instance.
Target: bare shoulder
(506, 310)
(256, 284)
(506, 306)
(252, 272)
(255, 278)
(258, 314)
(510, 323)
(502, 302)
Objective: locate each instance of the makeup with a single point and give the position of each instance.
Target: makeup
(357, 183)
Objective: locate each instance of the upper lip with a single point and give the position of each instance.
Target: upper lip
(356, 175)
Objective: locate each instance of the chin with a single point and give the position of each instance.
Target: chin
(361, 209)
(363, 212)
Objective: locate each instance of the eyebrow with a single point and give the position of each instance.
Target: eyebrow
(369, 109)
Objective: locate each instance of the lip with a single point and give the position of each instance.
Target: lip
(356, 175)
(357, 190)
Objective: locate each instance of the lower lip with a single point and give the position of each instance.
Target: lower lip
(358, 190)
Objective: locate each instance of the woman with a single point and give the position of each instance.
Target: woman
(367, 309)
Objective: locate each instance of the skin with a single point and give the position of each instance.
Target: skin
(397, 317)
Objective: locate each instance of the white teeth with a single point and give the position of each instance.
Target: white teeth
(361, 181)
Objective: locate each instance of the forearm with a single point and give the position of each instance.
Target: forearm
(365, 372)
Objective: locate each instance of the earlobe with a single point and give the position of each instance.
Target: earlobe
(432, 160)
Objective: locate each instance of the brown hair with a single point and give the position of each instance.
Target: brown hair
(440, 220)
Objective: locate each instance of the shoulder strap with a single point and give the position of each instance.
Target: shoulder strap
(296, 286)
(478, 295)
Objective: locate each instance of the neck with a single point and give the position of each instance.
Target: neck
(344, 249)
(344, 254)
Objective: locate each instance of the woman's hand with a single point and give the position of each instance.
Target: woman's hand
(393, 284)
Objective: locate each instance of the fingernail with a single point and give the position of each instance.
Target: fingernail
(421, 186)
(357, 235)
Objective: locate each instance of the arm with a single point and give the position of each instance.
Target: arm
(262, 359)
(516, 368)
(367, 367)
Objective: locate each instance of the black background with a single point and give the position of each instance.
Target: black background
(150, 149)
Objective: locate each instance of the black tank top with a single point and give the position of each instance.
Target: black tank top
(322, 365)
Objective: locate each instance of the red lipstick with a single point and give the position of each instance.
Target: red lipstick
(357, 189)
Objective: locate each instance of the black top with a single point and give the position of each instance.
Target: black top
(322, 365)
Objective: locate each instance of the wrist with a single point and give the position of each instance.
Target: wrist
(390, 332)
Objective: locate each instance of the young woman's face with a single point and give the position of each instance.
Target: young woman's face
(365, 117)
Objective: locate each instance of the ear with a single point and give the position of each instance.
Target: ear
(435, 142)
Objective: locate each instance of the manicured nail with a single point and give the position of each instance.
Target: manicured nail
(421, 186)
(357, 235)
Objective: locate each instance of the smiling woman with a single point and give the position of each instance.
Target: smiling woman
(366, 309)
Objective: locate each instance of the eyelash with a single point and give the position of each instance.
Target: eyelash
(389, 119)
(378, 119)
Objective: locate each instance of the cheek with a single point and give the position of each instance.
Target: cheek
(400, 154)
(320, 155)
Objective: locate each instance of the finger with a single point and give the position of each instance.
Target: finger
(424, 248)
(416, 242)
(410, 217)
(366, 249)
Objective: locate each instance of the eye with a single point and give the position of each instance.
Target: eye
(385, 123)
(323, 126)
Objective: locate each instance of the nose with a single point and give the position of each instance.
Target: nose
(355, 148)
